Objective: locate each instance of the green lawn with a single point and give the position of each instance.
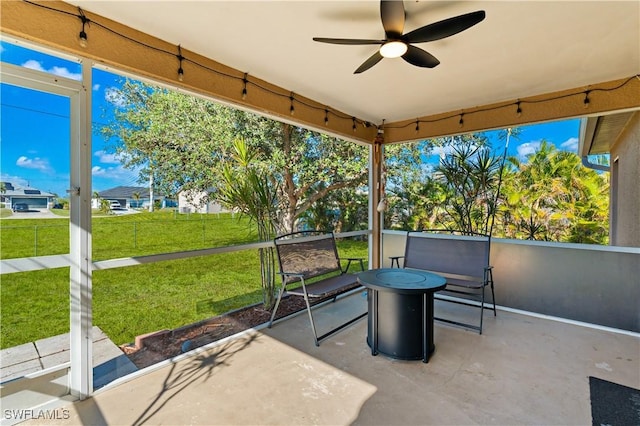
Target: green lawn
(139, 299)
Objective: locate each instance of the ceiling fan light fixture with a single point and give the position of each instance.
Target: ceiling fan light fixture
(393, 49)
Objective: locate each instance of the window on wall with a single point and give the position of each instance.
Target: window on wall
(34, 221)
(16, 54)
(543, 192)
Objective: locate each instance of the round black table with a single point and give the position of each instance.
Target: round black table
(400, 320)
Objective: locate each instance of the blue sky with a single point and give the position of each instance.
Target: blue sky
(34, 143)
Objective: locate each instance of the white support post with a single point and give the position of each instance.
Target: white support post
(375, 217)
(81, 374)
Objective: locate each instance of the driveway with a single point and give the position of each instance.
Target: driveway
(35, 214)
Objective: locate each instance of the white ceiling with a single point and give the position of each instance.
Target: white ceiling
(522, 48)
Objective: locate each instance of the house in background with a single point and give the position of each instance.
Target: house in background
(132, 197)
(32, 197)
(619, 136)
(198, 202)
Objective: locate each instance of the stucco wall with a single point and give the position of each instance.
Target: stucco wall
(588, 283)
(625, 195)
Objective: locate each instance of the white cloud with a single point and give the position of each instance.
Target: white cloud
(570, 144)
(443, 151)
(527, 148)
(98, 171)
(112, 95)
(35, 163)
(34, 65)
(107, 158)
(16, 181)
(118, 175)
(59, 71)
(96, 87)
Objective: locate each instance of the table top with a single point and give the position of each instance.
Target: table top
(401, 280)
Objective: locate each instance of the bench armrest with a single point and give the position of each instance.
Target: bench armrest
(349, 260)
(395, 259)
(291, 275)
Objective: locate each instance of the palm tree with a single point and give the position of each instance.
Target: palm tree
(3, 190)
(136, 197)
(553, 197)
(98, 199)
(250, 191)
(468, 178)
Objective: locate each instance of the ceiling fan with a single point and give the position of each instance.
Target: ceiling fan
(396, 44)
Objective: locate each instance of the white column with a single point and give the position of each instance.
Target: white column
(81, 375)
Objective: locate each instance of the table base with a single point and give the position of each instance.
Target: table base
(407, 330)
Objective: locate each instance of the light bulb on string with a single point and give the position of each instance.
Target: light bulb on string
(417, 126)
(244, 87)
(518, 110)
(83, 35)
(180, 70)
(353, 119)
(461, 122)
(586, 101)
(292, 110)
(326, 117)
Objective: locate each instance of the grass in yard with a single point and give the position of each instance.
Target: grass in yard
(125, 235)
(139, 299)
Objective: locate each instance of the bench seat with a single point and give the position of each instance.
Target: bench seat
(463, 260)
(310, 267)
(327, 286)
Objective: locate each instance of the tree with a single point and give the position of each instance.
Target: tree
(250, 190)
(307, 165)
(181, 141)
(104, 206)
(468, 178)
(136, 197)
(409, 187)
(553, 197)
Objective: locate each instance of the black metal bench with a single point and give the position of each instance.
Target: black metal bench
(462, 259)
(310, 259)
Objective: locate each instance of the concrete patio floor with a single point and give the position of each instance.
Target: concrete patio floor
(522, 370)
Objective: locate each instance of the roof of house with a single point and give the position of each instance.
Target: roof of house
(127, 192)
(12, 191)
(599, 133)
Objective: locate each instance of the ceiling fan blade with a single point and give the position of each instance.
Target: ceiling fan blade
(420, 58)
(374, 59)
(351, 41)
(445, 28)
(392, 14)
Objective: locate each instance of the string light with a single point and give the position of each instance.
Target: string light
(83, 39)
(326, 117)
(354, 124)
(586, 101)
(83, 35)
(180, 58)
(518, 110)
(244, 87)
(417, 126)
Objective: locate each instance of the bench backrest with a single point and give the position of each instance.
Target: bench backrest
(311, 253)
(452, 254)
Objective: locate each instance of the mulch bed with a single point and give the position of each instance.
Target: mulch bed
(167, 344)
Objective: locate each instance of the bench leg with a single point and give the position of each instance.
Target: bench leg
(481, 310)
(313, 326)
(493, 295)
(275, 308)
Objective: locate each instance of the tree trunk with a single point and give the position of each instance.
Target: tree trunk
(151, 193)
